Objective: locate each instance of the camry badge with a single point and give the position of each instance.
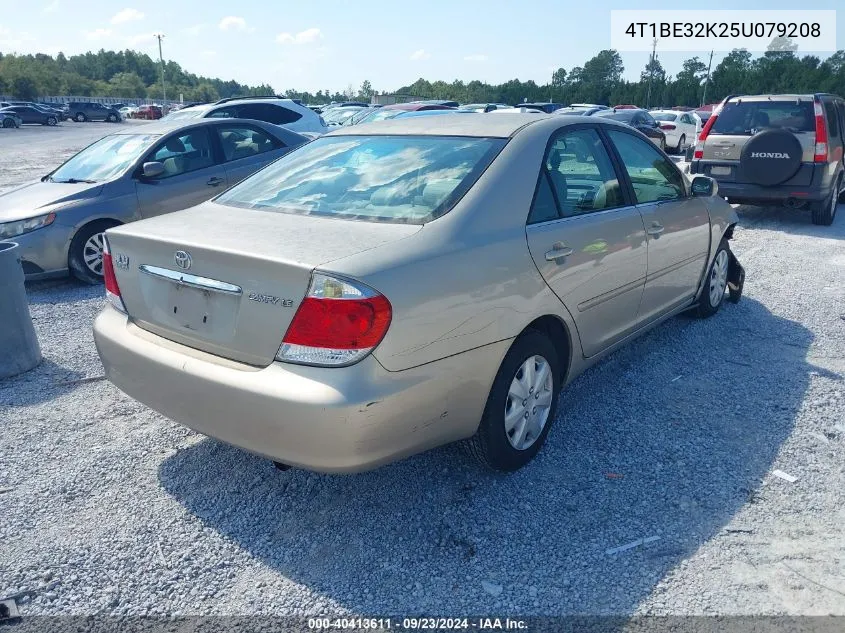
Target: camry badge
(183, 259)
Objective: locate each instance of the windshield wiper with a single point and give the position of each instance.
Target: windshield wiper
(73, 181)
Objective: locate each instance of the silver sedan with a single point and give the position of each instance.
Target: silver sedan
(58, 220)
(396, 286)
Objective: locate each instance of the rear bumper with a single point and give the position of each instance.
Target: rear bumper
(326, 419)
(812, 188)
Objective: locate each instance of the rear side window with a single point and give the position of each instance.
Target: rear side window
(744, 118)
(832, 122)
(400, 179)
(278, 115)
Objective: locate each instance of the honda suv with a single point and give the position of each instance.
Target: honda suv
(777, 149)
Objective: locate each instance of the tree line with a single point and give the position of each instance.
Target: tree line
(129, 74)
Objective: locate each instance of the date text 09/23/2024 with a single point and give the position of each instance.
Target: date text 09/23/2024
(419, 623)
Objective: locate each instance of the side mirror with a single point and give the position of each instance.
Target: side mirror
(703, 187)
(152, 170)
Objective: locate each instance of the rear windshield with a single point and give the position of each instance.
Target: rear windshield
(399, 179)
(749, 117)
(664, 116)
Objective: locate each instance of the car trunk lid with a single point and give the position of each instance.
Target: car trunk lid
(228, 280)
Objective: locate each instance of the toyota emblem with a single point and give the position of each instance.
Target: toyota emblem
(183, 259)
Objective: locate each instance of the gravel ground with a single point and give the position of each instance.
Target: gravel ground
(110, 508)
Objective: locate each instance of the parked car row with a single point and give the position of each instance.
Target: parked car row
(325, 292)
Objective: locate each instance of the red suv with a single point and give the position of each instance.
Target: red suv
(150, 112)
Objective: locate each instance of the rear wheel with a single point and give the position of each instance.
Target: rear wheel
(825, 211)
(713, 293)
(85, 257)
(80, 117)
(681, 142)
(662, 144)
(521, 406)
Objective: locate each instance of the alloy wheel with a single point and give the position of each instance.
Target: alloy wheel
(719, 278)
(527, 406)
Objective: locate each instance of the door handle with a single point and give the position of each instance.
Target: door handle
(559, 251)
(656, 229)
(214, 181)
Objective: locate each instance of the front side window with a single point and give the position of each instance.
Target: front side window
(240, 141)
(400, 179)
(581, 174)
(652, 175)
(184, 153)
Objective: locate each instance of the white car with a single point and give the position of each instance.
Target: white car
(285, 113)
(681, 128)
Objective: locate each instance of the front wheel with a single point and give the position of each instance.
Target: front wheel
(112, 118)
(85, 257)
(51, 121)
(7, 123)
(521, 406)
(713, 293)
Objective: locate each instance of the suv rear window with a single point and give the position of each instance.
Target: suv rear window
(744, 118)
(399, 179)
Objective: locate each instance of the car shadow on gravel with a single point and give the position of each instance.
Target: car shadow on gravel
(669, 437)
(793, 221)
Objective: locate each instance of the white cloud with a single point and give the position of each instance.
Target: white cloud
(194, 30)
(308, 36)
(420, 55)
(98, 34)
(127, 15)
(51, 8)
(208, 54)
(232, 23)
(476, 58)
(136, 40)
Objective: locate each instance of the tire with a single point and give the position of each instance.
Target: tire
(111, 118)
(83, 248)
(825, 211)
(681, 142)
(493, 444)
(713, 293)
(8, 123)
(80, 117)
(51, 121)
(662, 144)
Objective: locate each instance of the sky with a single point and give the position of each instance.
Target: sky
(331, 44)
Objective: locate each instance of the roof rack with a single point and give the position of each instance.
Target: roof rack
(228, 99)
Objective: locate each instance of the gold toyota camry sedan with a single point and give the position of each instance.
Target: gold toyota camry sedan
(395, 286)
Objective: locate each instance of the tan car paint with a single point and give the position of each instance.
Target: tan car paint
(462, 287)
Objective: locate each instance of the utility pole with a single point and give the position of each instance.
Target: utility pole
(706, 81)
(159, 37)
(551, 85)
(651, 73)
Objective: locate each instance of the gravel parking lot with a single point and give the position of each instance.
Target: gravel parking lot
(110, 508)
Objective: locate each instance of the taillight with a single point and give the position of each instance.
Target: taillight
(667, 126)
(338, 323)
(820, 153)
(699, 146)
(112, 289)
